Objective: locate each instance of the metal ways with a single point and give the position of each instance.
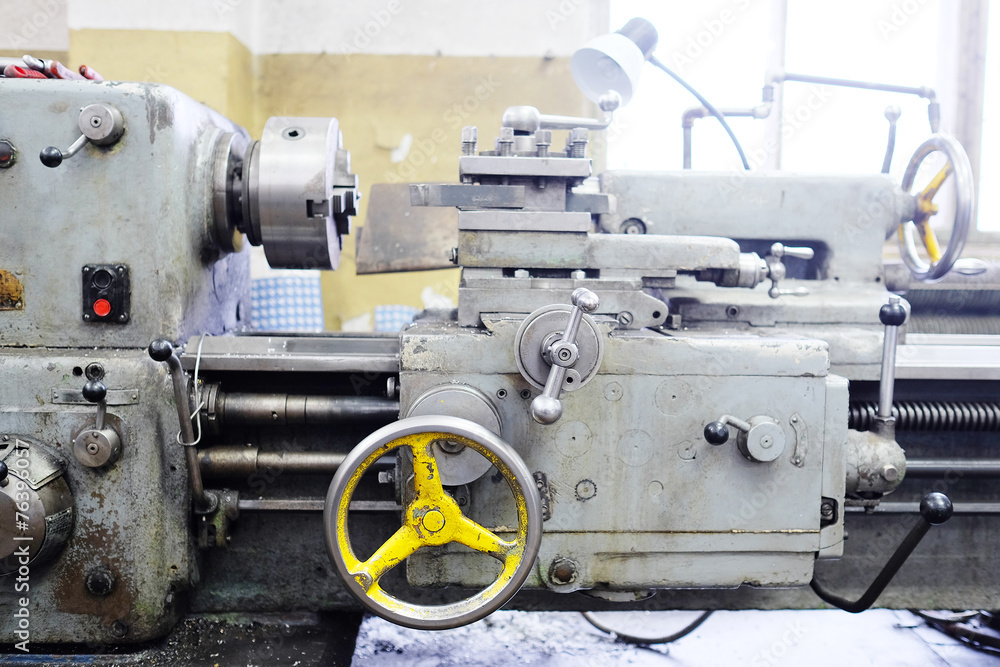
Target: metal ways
(432, 518)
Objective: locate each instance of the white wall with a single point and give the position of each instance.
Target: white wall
(418, 27)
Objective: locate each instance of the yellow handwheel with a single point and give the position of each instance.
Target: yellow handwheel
(958, 164)
(433, 518)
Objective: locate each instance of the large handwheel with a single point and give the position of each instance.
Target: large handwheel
(433, 518)
(941, 259)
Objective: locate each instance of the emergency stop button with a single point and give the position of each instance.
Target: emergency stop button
(106, 293)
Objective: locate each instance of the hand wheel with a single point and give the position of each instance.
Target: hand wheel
(941, 259)
(433, 518)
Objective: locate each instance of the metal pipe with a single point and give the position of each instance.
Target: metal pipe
(962, 467)
(933, 107)
(312, 505)
(696, 113)
(291, 409)
(237, 461)
(914, 508)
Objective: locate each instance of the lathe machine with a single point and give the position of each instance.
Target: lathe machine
(677, 390)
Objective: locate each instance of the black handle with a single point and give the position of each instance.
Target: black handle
(935, 508)
(95, 391)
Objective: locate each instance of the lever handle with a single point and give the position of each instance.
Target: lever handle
(546, 408)
(760, 440)
(100, 124)
(162, 350)
(776, 268)
(892, 315)
(935, 509)
(96, 392)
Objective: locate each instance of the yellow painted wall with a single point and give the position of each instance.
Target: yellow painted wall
(377, 98)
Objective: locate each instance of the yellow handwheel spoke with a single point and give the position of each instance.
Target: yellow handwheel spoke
(927, 208)
(474, 536)
(426, 478)
(394, 551)
(930, 239)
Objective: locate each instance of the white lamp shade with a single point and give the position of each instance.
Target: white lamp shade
(609, 62)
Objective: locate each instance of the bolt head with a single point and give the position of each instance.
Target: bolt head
(563, 571)
(890, 473)
(100, 581)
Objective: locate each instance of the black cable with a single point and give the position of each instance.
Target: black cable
(630, 639)
(653, 60)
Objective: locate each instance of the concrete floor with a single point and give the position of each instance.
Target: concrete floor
(816, 638)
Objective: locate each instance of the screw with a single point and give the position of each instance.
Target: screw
(95, 121)
(505, 143)
(525, 394)
(543, 139)
(119, 628)
(453, 255)
(826, 510)
(577, 142)
(563, 571)
(521, 273)
(890, 473)
(470, 136)
(92, 448)
(501, 393)
(624, 318)
(732, 311)
(101, 581)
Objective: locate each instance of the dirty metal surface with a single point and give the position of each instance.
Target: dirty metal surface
(662, 507)
(150, 190)
(147, 551)
(399, 237)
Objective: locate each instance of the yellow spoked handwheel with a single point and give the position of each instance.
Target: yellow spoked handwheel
(433, 518)
(941, 260)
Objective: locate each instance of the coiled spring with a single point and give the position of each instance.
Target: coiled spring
(930, 415)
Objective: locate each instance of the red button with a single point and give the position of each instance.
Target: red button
(102, 307)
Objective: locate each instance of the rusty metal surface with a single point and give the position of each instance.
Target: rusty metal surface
(399, 237)
(11, 291)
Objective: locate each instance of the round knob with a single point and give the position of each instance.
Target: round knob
(716, 433)
(161, 349)
(892, 314)
(3, 471)
(545, 409)
(95, 391)
(585, 300)
(892, 113)
(936, 508)
(51, 156)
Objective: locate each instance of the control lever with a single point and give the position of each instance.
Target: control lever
(776, 269)
(162, 350)
(98, 446)
(101, 124)
(893, 316)
(935, 508)
(562, 354)
(761, 439)
(892, 113)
